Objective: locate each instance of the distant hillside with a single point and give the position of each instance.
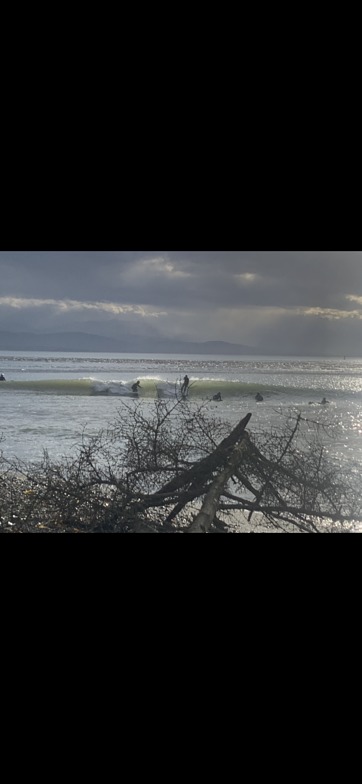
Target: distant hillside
(82, 341)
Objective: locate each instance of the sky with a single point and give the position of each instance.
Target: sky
(299, 302)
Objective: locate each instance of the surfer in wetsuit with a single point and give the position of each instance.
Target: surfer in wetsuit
(2, 377)
(258, 397)
(217, 396)
(135, 387)
(185, 385)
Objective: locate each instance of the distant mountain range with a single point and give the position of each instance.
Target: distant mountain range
(83, 341)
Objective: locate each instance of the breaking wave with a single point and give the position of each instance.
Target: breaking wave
(203, 388)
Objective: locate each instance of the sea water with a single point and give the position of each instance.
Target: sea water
(50, 398)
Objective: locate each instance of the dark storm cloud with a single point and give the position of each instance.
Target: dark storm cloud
(160, 278)
(56, 274)
(244, 296)
(304, 278)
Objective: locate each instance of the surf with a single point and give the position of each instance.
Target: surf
(199, 388)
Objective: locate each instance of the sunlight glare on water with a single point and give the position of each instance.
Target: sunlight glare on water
(49, 398)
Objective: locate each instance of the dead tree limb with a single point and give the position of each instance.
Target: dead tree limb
(205, 517)
(208, 464)
(195, 481)
(275, 466)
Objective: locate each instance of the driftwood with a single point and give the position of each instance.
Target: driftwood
(199, 473)
(206, 516)
(289, 486)
(198, 480)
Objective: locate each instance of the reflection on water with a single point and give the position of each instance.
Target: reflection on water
(32, 420)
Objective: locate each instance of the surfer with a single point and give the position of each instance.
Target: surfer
(2, 377)
(324, 401)
(258, 397)
(135, 387)
(185, 386)
(217, 396)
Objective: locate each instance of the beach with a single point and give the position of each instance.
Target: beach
(51, 400)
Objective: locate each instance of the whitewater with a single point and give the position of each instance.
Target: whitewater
(49, 399)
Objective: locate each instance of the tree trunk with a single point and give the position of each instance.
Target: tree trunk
(201, 470)
(205, 517)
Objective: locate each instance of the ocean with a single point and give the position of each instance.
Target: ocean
(50, 398)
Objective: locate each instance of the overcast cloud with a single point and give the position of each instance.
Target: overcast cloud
(297, 301)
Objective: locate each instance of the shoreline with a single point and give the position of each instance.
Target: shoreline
(17, 490)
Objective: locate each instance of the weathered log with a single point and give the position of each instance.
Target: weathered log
(205, 517)
(195, 481)
(204, 467)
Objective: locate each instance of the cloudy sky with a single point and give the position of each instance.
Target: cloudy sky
(294, 301)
